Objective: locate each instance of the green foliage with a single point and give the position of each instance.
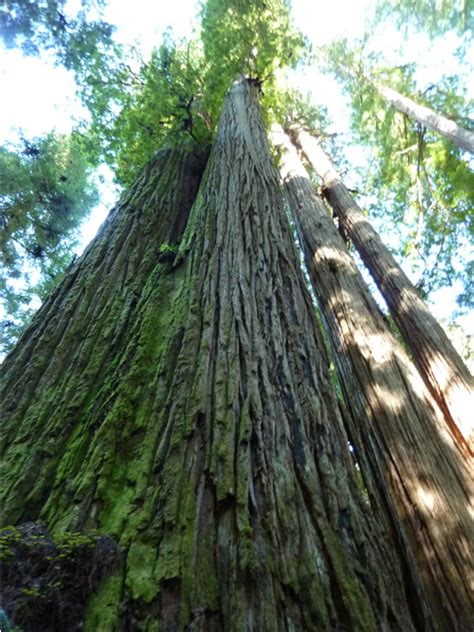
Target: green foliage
(417, 180)
(293, 108)
(46, 191)
(250, 38)
(32, 26)
(167, 253)
(175, 98)
(45, 187)
(47, 581)
(433, 16)
(160, 106)
(424, 179)
(45, 25)
(466, 298)
(164, 248)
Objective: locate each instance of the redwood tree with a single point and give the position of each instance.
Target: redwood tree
(417, 182)
(174, 393)
(441, 367)
(422, 469)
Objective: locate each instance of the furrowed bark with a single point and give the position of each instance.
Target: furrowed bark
(79, 337)
(439, 364)
(79, 385)
(461, 137)
(396, 423)
(207, 438)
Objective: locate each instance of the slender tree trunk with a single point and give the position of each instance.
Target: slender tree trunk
(461, 137)
(440, 366)
(397, 424)
(186, 408)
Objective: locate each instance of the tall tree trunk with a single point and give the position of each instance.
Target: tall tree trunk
(397, 424)
(57, 394)
(440, 366)
(186, 408)
(461, 137)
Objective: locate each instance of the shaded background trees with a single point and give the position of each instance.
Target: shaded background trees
(184, 346)
(425, 189)
(424, 179)
(47, 189)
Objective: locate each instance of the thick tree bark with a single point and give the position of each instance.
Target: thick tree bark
(186, 409)
(440, 366)
(461, 137)
(397, 425)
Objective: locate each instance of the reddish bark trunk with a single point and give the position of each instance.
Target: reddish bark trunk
(439, 364)
(397, 427)
(186, 409)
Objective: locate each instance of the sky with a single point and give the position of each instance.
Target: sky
(42, 97)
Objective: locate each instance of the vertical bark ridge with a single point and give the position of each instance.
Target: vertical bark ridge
(439, 364)
(425, 474)
(264, 445)
(200, 428)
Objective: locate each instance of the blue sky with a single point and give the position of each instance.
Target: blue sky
(42, 97)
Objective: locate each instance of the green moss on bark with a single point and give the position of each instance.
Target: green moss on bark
(203, 431)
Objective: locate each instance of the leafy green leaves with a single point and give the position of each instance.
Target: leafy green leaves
(434, 16)
(36, 26)
(418, 181)
(176, 97)
(253, 38)
(46, 581)
(46, 190)
(164, 106)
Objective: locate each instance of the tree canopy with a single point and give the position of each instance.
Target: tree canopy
(46, 191)
(411, 175)
(434, 16)
(176, 96)
(76, 40)
(424, 181)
